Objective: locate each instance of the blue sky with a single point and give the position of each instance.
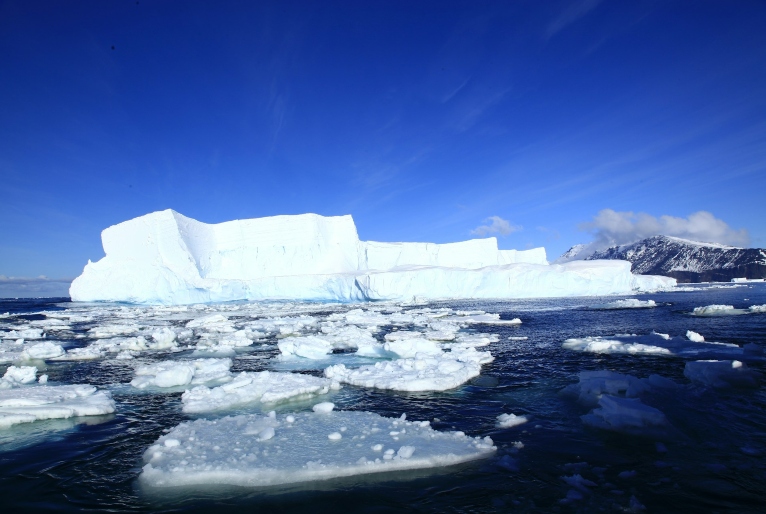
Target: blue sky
(422, 121)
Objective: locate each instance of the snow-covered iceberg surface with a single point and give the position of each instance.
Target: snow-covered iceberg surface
(308, 446)
(167, 258)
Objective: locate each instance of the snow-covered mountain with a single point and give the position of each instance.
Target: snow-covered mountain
(685, 260)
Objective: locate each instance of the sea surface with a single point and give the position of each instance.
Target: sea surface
(713, 459)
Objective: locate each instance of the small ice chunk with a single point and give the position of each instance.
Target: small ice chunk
(46, 350)
(18, 375)
(335, 436)
(323, 407)
(694, 336)
(510, 420)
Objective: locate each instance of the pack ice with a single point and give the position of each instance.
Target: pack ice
(166, 258)
(252, 450)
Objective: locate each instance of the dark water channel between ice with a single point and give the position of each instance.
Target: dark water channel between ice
(714, 461)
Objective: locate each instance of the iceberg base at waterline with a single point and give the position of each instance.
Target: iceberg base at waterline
(166, 258)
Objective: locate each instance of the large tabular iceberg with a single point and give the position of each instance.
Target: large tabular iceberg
(164, 257)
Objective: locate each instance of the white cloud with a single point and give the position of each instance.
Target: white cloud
(616, 228)
(37, 287)
(496, 225)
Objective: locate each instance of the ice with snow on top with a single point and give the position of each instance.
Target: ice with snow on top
(655, 344)
(628, 303)
(264, 387)
(722, 374)
(166, 258)
(693, 336)
(33, 403)
(174, 373)
(424, 372)
(257, 451)
(510, 420)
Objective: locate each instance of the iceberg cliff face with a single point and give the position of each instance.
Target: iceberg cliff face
(167, 258)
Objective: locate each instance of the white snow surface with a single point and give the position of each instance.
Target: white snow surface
(166, 258)
(264, 387)
(302, 447)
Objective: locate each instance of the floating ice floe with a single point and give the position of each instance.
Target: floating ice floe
(628, 303)
(655, 344)
(726, 310)
(510, 420)
(593, 385)
(180, 373)
(32, 403)
(425, 372)
(257, 451)
(264, 387)
(628, 415)
(485, 318)
(617, 407)
(721, 374)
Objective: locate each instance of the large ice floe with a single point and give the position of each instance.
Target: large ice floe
(306, 446)
(167, 258)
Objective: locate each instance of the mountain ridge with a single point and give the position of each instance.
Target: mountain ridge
(684, 260)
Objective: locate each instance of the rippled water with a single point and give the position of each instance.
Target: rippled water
(715, 458)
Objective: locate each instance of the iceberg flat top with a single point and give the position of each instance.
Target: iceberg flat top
(166, 258)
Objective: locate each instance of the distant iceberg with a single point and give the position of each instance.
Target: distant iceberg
(166, 258)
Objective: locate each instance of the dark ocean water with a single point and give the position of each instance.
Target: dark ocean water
(714, 459)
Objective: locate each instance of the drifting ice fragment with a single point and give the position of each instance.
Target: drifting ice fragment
(264, 387)
(181, 373)
(32, 403)
(235, 451)
(624, 415)
(656, 344)
(438, 372)
(510, 420)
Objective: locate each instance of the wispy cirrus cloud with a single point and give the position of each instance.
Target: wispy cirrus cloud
(571, 14)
